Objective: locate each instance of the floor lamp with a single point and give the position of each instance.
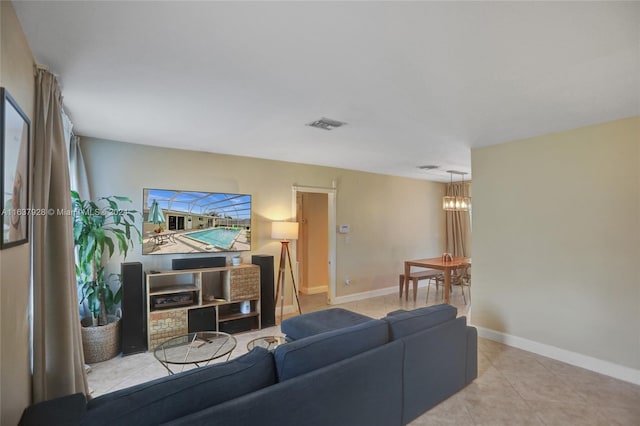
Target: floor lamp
(285, 231)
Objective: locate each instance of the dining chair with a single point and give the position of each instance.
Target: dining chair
(466, 282)
(463, 279)
(437, 279)
(460, 277)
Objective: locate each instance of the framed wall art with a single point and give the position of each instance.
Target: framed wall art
(15, 129)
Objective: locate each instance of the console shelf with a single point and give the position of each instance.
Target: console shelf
(237, 316)
(228, 286)
(174, 289)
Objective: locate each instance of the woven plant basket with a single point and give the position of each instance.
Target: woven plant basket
(100, 343)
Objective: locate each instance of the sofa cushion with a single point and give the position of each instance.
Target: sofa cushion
(365, 390)
(405, 323)
(304, 355)
(168, 398)
(320, 322)
(398, 312)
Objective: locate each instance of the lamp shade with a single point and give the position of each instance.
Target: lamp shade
(284, 230)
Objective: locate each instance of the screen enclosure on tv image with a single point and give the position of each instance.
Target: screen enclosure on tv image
(195, 222)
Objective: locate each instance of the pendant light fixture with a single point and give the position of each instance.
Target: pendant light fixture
(460, 203)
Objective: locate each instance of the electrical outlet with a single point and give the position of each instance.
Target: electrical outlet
(347, 281)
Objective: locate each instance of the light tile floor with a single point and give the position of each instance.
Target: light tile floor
(514, 387)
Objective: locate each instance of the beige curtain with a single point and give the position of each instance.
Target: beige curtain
(58, 362)
(459, 223)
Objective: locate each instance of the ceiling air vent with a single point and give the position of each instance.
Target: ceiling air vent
(428, 167)
(326, 123)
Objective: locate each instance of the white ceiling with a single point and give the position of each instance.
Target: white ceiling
(417, 82)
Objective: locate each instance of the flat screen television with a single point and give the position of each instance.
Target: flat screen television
(178, 222)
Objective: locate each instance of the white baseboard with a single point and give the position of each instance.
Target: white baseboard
(372, 293)
(288, 309)
(314, 290)
(364, 295)
(579, 360)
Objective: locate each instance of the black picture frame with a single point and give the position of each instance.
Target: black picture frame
(15, 137)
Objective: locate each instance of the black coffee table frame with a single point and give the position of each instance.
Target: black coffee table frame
(267, 342)
(199, 348)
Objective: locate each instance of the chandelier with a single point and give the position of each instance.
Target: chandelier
(459, 203)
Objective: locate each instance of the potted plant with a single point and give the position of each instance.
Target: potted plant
(99, 229)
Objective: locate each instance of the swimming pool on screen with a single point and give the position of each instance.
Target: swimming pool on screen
(218, 237)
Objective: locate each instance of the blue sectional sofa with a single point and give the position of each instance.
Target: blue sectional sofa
(339, 369)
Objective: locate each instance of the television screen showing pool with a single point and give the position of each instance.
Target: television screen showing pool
(195, 222)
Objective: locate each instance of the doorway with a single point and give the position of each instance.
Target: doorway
(312, 249)
(314, 209)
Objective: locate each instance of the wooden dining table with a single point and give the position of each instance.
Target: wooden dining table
(437, 263)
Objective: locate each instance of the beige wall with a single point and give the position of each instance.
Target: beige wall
(556, 244)
(16, 75)
(391, 218)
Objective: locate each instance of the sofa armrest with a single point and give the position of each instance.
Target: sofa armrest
(472, 354)
(434, 366)
(65, 411)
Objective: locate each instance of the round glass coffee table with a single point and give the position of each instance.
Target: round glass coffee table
(267, 342)
(198, 348)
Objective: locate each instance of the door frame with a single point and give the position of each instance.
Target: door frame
(331, 231)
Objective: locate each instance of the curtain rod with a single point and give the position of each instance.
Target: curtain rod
(37, 67)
